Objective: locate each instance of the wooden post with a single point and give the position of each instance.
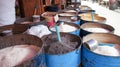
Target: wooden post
(27, 7)
(48, 2)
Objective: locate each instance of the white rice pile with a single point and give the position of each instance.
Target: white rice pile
(96, 30)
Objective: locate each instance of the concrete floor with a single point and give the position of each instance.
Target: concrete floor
(113, 17)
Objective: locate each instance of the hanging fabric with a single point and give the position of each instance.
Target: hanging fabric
(7, 12)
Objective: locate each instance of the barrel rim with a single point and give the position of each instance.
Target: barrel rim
(100, 21)
(105, 26)
(71, 24)
(21, 39)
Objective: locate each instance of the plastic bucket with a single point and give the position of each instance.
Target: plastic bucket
(21, 39)
(69, 59)
(76, 32)
(91, 59)
(94, 25)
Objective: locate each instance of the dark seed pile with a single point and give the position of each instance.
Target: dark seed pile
(52, 46)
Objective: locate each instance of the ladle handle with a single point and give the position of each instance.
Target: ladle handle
(58, 33)
(92, 15)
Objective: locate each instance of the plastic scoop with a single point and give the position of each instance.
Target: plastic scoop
(58, 33)
(92, 15)
(59, 38)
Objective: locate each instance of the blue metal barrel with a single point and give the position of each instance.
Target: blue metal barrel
(83, 32)
(77, 22)
(91, 59)
(69, 59)
(76, 32)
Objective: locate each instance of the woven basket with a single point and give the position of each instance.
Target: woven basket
(15, 28)
(21, 39)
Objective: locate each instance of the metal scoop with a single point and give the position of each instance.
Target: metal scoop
(91, 44)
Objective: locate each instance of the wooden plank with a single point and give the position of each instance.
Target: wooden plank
(28, 7)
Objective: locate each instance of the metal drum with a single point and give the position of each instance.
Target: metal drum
(69, 59)
(90, 27)
(21, 39)
(92, 59)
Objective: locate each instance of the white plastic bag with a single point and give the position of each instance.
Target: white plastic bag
(39, 30)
